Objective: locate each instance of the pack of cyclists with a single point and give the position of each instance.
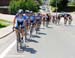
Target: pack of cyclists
(67, 18)
(25, 23)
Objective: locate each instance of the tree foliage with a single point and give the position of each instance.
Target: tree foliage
(60, 3)
(15, 5)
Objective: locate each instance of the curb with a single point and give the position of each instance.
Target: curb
(7, 31)
(6, 35)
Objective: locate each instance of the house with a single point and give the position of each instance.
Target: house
(4, 6)
(4, 2)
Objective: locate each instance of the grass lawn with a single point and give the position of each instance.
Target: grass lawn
(4, 23)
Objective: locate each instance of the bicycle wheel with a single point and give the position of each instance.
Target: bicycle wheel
(37, 30)
(25, 30)
(46, 24)
(18, 41)
(31, 30)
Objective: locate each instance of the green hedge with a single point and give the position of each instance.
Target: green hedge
(4, 23)
(15, 5)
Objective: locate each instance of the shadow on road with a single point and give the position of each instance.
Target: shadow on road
(35, 36)
(42, 28)
(27, 49)
(70, 25)
(31, 50)
(42, 33)
(58, 24)
(31, 40)
(49, 27)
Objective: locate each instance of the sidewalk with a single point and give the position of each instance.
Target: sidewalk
(7, 30)
(7, 17)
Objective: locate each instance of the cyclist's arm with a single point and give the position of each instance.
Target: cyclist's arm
(25, 22)
(14, 21)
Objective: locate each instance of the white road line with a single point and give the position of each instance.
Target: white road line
(7, 49)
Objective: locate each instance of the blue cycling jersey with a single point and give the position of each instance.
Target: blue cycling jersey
(19, 21)
(32, 18)
(38, 17)
(26, 17)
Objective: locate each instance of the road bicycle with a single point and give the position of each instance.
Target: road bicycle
(20, 41)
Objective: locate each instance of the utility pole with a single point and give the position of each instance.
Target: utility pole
(56, 8)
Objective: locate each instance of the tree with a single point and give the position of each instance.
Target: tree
(64, 3)
(40, 1)
(72, 2)
(15, 5)
(53, 2)
(61, 4)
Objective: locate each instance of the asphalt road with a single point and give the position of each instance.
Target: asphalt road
(57, 41)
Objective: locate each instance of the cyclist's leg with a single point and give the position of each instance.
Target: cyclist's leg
(70, 21)
(59, 20)
(39, 24)
(36, 27)
(18, 37)
(23, 38)
(25, 30)
(23, 33)
(26, 26)
(17, 31)
(32, 27)
(56, 20)
(47, 23)
(31, 30)
(43, 22)
(22, 30)
(53, 19)
(65, 21)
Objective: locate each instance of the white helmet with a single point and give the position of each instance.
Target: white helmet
(20, 11)
(27, 11)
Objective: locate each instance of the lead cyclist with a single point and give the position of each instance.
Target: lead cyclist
(19, 21)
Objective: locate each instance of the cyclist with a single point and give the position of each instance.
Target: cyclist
(53, 19)
(59, 17)
(32, 18)
(19, 21)
(70, 19)
(28, 19)
(65, 19)
(38, 18)
(44, 19)
(32, 21)
(47, 19)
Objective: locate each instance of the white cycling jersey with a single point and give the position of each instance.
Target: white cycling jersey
(20, 19)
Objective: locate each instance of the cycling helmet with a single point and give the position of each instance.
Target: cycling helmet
(31, 12)
(27, 11)
(20, 11)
